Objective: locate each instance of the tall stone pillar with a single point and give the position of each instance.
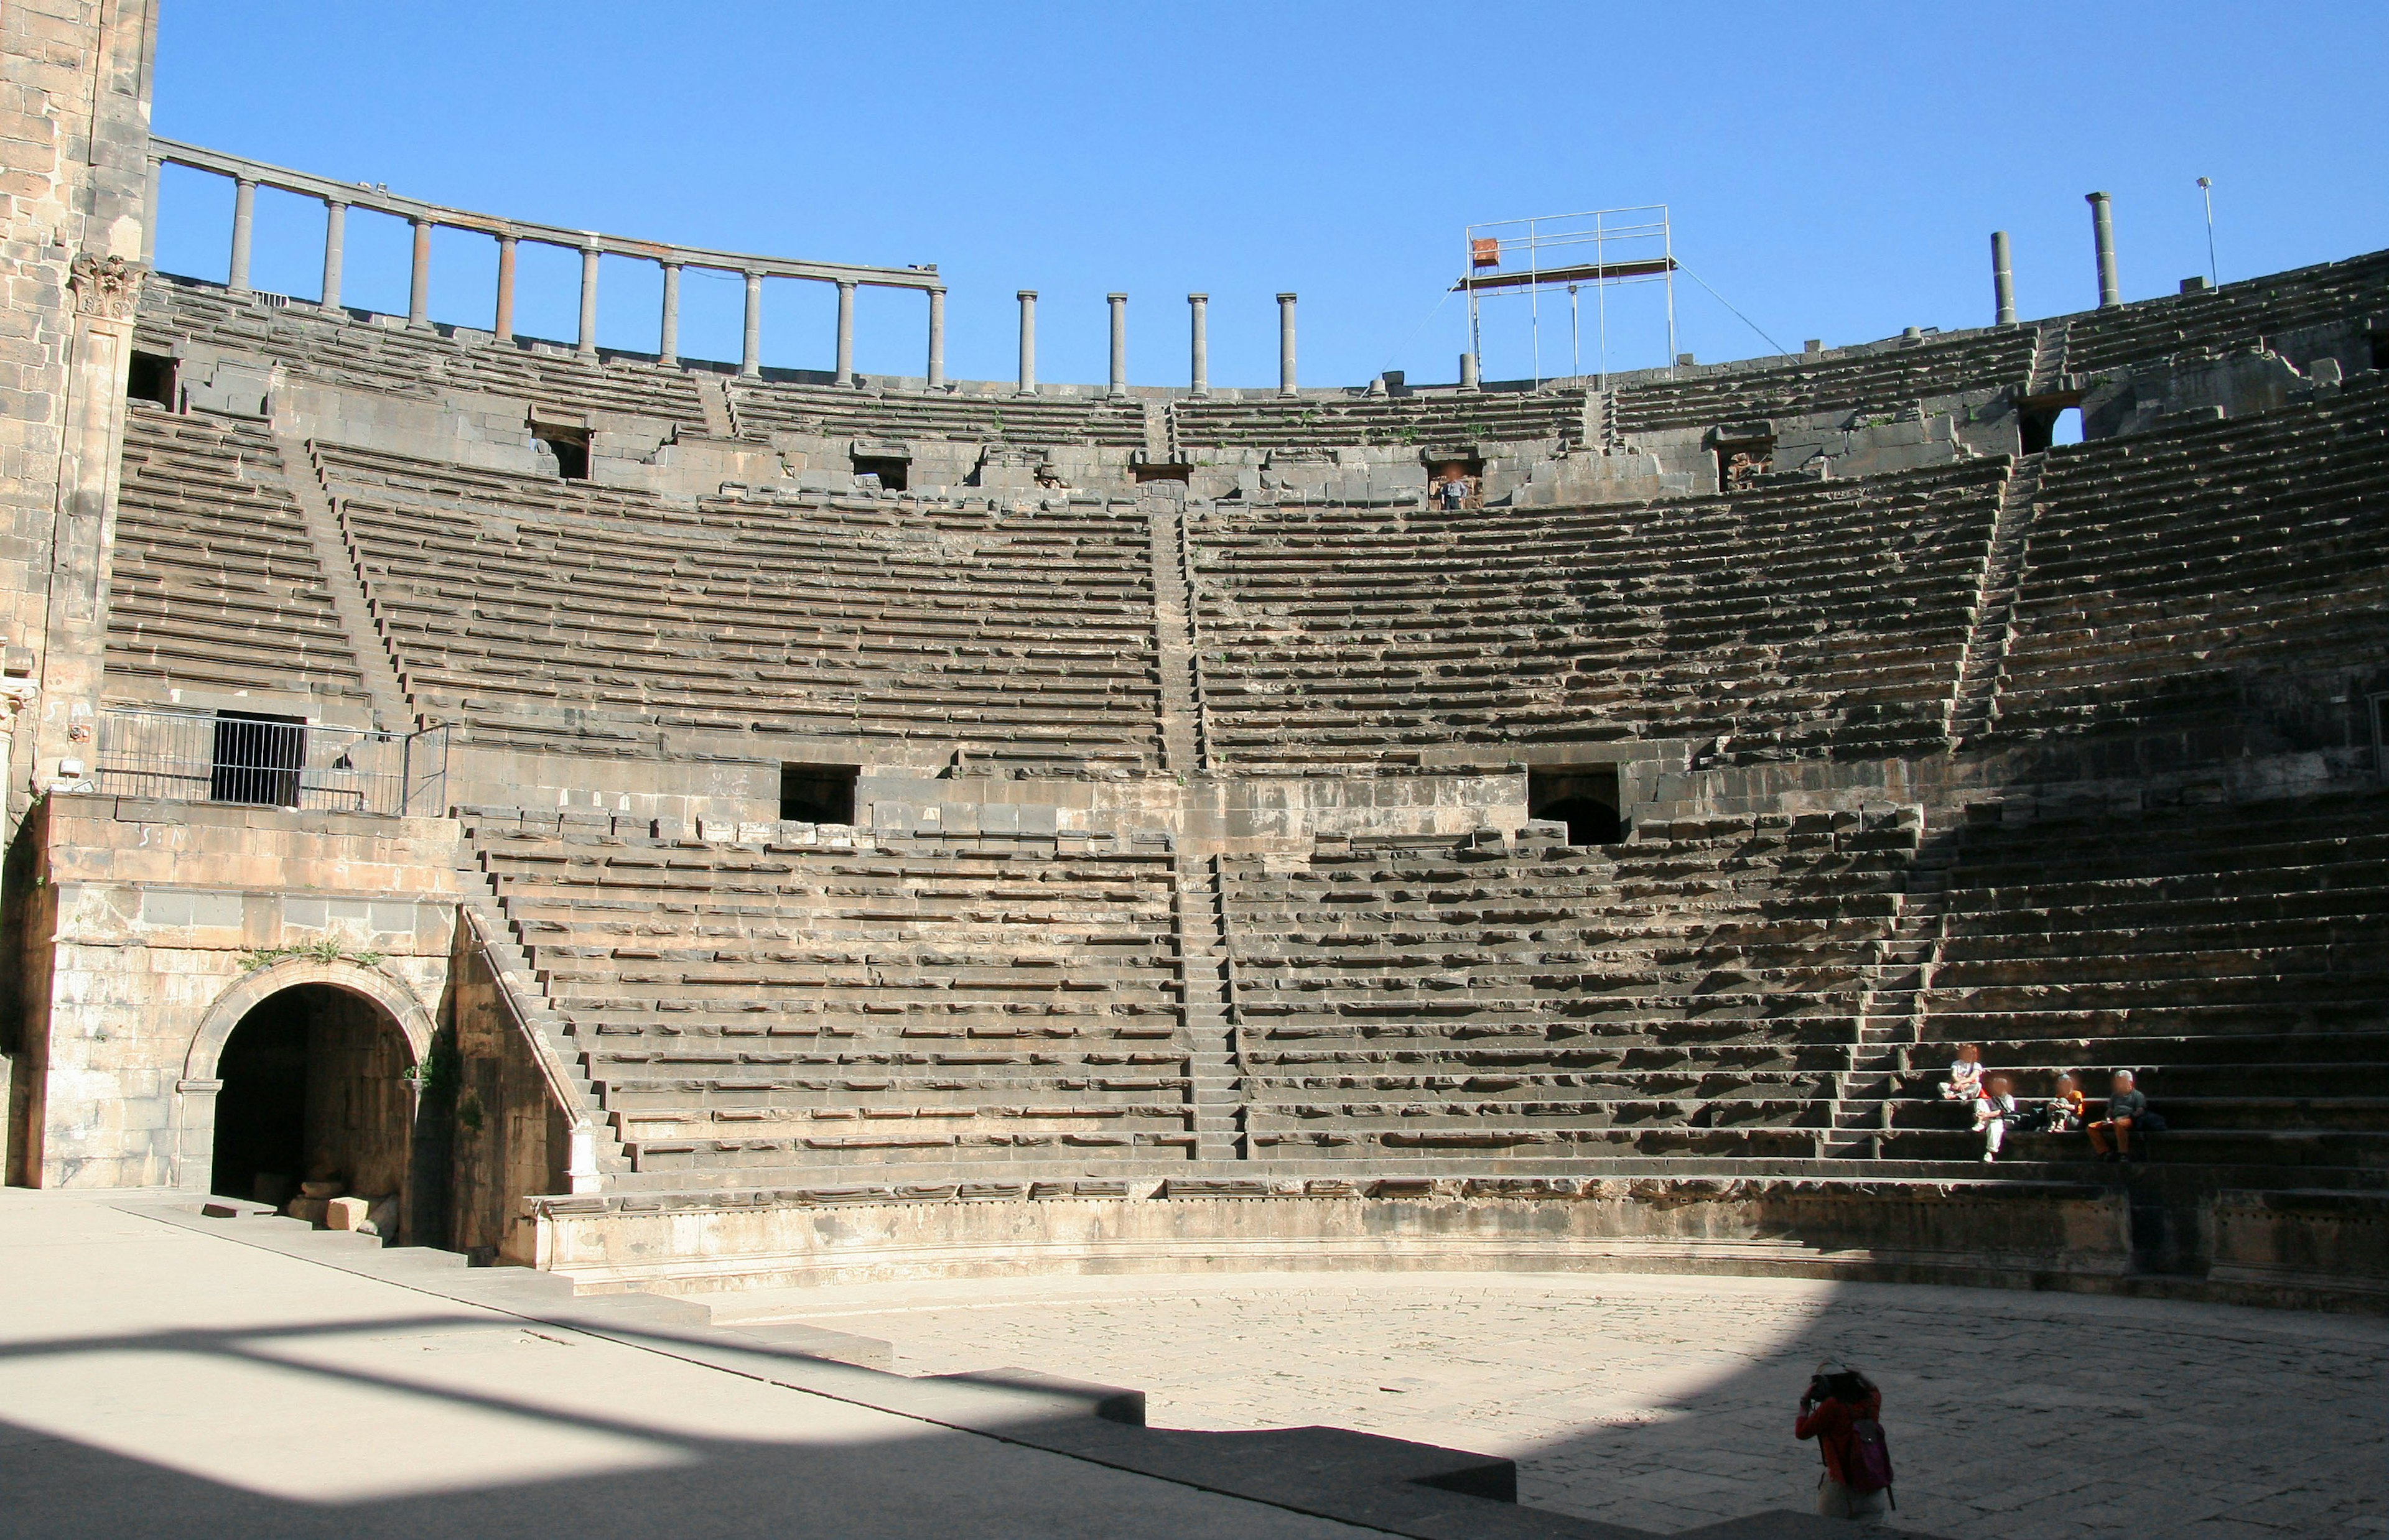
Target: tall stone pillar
(751, 353)
(335, 240)
(244, 217)
(418, 285)
(149, 224)
(504, 325)
(667, 338)
(1027, 340)
(1118, 303)
(937, 338)
(82, 533)
(2002, 282)
(587, 346)
(70, 273)
(1468, 380)
(1286, 344)
(2103, 237)
(1198, 312)
(846, 331)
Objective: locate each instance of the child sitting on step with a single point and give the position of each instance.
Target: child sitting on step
(1993, 1110)
(1965, 1082)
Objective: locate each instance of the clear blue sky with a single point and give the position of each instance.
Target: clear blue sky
(1834, 171)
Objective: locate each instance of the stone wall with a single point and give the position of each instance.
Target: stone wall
(149, 929)
(73, 156)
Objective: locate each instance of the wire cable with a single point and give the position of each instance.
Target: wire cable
(1722, 300)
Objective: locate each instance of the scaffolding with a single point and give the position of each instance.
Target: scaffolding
(1624, 245)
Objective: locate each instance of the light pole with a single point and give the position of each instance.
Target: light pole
(2206, 191)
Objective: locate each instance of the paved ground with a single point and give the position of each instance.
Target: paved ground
(156, 1382)
(1668, 1403)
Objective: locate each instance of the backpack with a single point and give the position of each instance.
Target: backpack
(1867, 1461)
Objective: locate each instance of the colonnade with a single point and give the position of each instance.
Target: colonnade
(339, 197)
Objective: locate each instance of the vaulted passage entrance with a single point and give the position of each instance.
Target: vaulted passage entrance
(315, 1090)
(1584, 797)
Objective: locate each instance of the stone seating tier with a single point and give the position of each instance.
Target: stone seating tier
(762, 408)
(213, 581)
(2235, 959)
(1882, 381)
(1442, 420)
(511, 596)
(2164, 573)
(751, 1007)
(1689, 991)
(344, 348)
(2232, 316)
(1828, 619)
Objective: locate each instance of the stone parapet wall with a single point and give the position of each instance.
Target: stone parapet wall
(2030, 1233)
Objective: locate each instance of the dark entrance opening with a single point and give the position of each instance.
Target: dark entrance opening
(570, 447)
(1744, 454)
(315, 1090)
(817, 793)
(1469, 473)
(894, 475)
(151, 377)
(2380, 341)
(1582, 796)
(2046, 420)
(258, 759)
(1145, 473)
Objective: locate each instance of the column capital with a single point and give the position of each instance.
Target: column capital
(1116, 298)
(669, 262)
(1198, 299)
(2095, 197)
(107, 287)
(1025, 294)
(1285, 299)
(847, 283)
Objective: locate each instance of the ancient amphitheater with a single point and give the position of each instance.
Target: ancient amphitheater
(690, 826)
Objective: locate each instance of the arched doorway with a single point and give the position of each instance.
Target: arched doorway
(315, 1088)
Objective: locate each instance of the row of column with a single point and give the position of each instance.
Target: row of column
(2103, 246)
(1199, 352)
(418, 302)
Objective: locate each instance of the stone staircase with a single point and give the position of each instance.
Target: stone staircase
(1185, 744)
(1214, 1066)
(1972, 704)
(502, 949)
(2049, 350)
(1891, 1009)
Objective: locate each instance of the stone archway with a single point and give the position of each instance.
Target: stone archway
(302, 1065)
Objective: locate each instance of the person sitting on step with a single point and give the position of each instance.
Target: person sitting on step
(2065, 1107)
(1993, 1110)
(1965, 1082)
(2127, 1109)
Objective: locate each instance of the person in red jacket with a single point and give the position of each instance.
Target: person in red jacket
(1838, 1397)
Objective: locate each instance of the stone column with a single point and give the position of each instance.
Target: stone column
(1198, 308)
(419, 288)
(668, 341)
(750, 356)
(937, 338)
(244, 214)
(846, 331)
(1118, 303)
(1468, 371)
(587, 346)
(1286, 344)
(335, 240)
(149, 213)
(504, 323)
(2002, 281)
(2103, 237)
(1027, 340)
(84, 517)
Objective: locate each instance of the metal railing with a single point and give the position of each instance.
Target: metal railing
(262, 762)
